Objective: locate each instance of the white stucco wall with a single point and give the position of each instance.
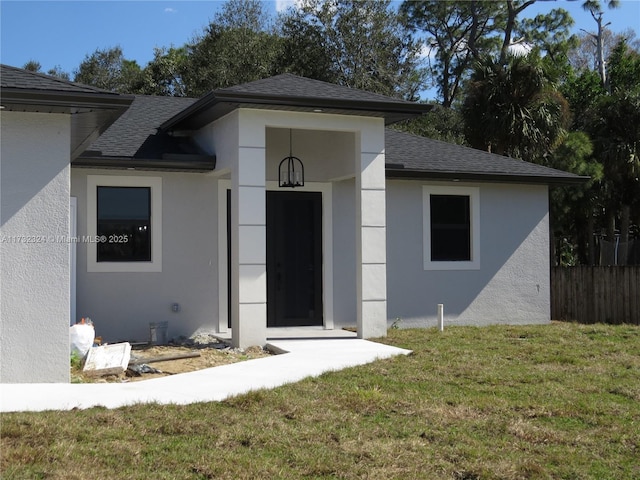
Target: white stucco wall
(34, 252)
(122, 304)
(344, 214)
(333, 148)
(512, 284)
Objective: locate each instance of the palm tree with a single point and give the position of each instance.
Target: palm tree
(514, 109)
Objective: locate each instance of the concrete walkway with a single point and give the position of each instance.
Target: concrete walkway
(304, 358)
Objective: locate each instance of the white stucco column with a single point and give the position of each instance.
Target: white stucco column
(371, 254)
(248, 245)
(34, 247)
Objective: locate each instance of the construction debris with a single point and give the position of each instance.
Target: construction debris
(136, 370)
(164, 358)
(107, 359)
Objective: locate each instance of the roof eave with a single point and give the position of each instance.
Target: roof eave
(402, 173)
(168, 162)
(396, 111)
(69, 101)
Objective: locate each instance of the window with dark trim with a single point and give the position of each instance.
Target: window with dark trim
(123, 224)
(450, 228)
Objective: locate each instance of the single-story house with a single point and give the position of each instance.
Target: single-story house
(281, 202)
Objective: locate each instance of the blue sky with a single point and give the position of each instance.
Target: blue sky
(62, 33)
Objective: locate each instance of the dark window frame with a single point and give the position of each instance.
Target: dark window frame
(452, 191)
(127, 238)
(451, 236)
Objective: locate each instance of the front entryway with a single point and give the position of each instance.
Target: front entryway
(294, 259)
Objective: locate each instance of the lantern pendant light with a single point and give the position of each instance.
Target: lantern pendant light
(291, 169)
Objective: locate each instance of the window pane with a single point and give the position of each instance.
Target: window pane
(450, 228)
(124, 223)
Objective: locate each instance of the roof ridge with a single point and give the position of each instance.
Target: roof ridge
(144, 95)
(242, 87)
(52, 78)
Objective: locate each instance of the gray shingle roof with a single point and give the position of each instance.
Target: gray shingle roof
(92, 110)
(294, 93)
(137, 128)
(134, 140)
(289, 85)
(136, 136)
(408, 155)
(12, 77)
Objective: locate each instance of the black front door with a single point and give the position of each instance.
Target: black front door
(294, 259)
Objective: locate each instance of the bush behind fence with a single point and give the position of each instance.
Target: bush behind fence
(596, 294)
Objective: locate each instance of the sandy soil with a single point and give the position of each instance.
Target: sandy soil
(208, 357)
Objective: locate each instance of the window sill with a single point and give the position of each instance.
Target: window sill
(443, 266)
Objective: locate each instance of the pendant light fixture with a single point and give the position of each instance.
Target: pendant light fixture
(291, 169)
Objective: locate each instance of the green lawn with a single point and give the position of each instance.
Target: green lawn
(557, 401)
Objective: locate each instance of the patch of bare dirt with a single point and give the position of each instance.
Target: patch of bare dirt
(198, 353)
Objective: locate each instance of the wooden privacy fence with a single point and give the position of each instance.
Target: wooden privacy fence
(596, 294)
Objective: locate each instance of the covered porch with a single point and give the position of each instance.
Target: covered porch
(287, 256)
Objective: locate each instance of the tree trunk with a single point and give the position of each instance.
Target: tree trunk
(625, 222)
(600, 60)
(608, 250)
(602, 69)
(610, 222)
(591, 239)
(513, 12)
(552, 249)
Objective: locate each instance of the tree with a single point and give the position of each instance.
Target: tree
(550, 33)
(304, 49)
(457, 33)
(581, 91)
(58, 72)
(32, 66)
(571, 207)
(614, 125)
(514, 110)
(584, 55)
(238, 46)
(595, 8)
(35, 66)
(441, 123)
(369, 46)
(109, 70)
(164, 74)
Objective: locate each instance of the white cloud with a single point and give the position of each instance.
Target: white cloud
(170, 10)
(282, 5)
(427, 51)
(520, 49)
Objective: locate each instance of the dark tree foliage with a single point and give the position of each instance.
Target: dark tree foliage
(304, 49)
(110, 70)
(613, 122)
(35, 66)
(164, 75)
(514, 110)
(445, 124)
(238, 46)
(455, 34)
(608, 208)
(366, 45)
